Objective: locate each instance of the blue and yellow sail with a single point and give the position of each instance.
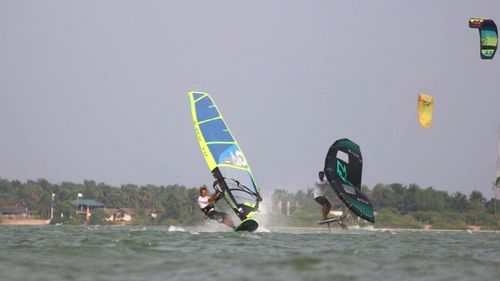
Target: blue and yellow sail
(224, 157)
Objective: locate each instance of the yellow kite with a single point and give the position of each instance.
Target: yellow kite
(425, 107)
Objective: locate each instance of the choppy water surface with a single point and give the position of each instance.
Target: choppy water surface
(159, 253)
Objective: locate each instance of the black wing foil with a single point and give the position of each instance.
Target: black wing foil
(343, 169)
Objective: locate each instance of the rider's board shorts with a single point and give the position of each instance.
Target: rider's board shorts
(322, 201)
(218, 216)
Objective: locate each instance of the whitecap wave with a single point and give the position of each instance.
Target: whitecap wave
(262, 229)
(173, 228)
(251, 235)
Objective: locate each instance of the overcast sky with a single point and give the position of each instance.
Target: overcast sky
(98, 89)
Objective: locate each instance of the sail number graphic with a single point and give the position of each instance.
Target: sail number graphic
(342, 171)
(238, 159)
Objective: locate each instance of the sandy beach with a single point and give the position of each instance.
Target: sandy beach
(24, 221)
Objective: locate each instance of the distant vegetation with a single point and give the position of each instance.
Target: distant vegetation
(174, 204)
(399, 206)
(396, 205)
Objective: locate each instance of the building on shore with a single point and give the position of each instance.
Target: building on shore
(85, 207)
(120, 215)
(14, 212)
(18, 215)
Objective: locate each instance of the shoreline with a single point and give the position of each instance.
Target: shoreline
(303, 229)
(24, 222)
(298, 228)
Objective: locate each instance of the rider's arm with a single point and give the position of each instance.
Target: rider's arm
(215, 197)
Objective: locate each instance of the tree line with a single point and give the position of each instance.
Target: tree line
(399, 205)
(173, 203)
(396, 205)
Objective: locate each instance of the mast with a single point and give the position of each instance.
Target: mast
(496, 183)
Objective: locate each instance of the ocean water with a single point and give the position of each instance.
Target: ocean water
(173, 253)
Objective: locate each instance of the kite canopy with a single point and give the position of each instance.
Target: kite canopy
(343, 167)
(425, 107)
(488, 34)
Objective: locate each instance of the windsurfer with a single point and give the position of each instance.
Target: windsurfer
(206, 204)
(319, 194)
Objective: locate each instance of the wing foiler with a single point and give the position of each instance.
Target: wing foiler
(343, 168)
(225, 159)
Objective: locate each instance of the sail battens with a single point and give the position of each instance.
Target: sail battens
(209, 120)
(224, 156)
(200, 97)
(221, 142)
(233, 167)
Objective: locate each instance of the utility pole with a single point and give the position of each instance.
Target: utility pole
(52, 206)
(495, 188)
(78, 203)
(496, 184)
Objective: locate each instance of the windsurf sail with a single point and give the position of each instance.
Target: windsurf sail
(488, 34)
(224, 157)
(343, 169)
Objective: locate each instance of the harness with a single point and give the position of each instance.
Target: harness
(208, 209)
